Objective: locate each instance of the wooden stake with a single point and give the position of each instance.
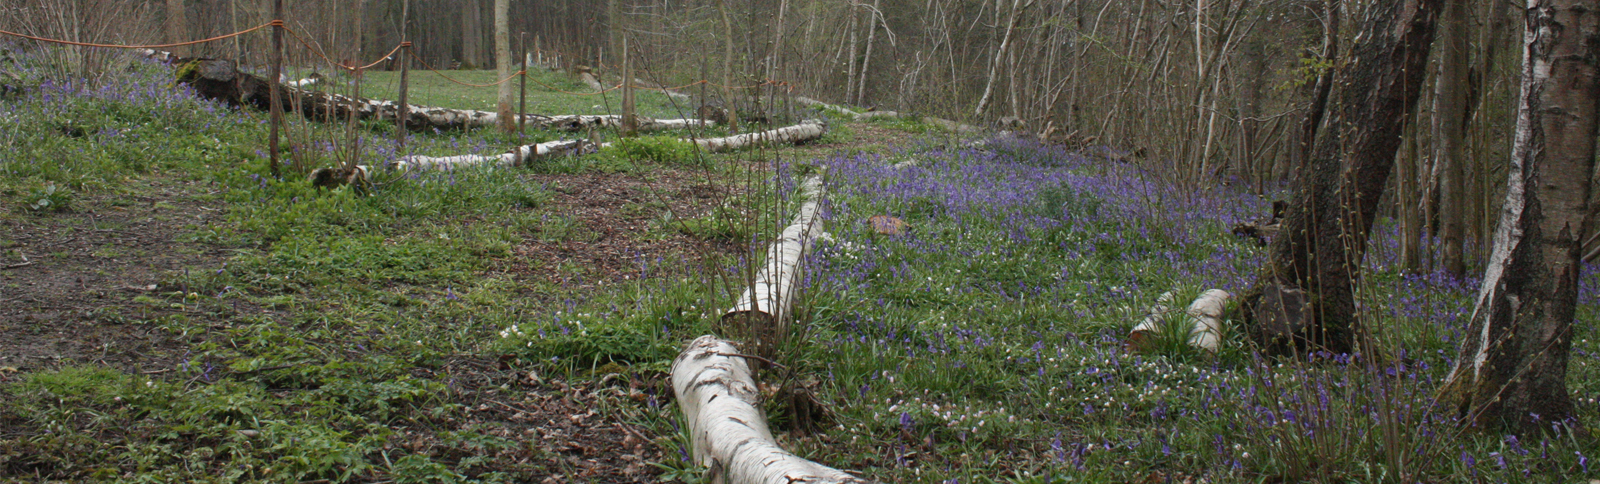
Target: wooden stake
(630, 124)
(522, 96)
(277, 72)
(402, 114)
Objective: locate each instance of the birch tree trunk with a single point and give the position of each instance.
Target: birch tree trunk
(502, 63)
(999, 55)
(1511, 372)
(1305, 295)
(805, 131)
(866, 59)
(722, 407)
(520, 156)
(762, 312)
(1450, 103)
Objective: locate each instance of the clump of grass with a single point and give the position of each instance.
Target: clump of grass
(658, 149)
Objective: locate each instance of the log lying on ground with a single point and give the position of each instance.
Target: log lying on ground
(721, 404)
(940, 122)
(763, 308)
(221, 80)
(845, 111)
(520, 156)
(1204, 317)
(807, 130)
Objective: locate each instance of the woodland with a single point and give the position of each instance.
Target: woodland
(771, 241)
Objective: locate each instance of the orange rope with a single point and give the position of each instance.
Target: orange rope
(318, 51)
(156, 46)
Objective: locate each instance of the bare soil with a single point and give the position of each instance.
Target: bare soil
(69, 278)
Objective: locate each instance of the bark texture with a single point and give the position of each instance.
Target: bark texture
(807, 130)
(762, 311)
(722, 407)
(1511, 373)
(1204, 318)
(502, 63)
(1450, 103)
(520, 156)
(1305, 296)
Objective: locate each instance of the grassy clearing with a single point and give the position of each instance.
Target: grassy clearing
(357, 336)
(545, 93)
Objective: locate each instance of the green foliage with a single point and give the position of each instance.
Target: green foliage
(659, 149)
(49, 197)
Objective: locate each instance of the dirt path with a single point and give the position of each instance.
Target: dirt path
(67, 293)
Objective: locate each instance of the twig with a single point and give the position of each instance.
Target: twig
(19, 264)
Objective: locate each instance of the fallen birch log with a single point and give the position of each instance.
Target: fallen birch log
(520, 156)
(762, 310)
(940, 122)
(807, 130)
(722, 406)
(845, 111)
(220, 80)
(1204, 317)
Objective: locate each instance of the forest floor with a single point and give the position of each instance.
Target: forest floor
(173, 313)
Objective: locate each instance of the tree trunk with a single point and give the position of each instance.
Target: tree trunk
(999, 54)
(502, 63)
(805, 131)
(1511, 372)
(866, 58)
(471, 34)
(1305, 294)
(520, 156)
(1324, 86)
(722, 408)
(762, 312)
(177, 26)
(1450, 103)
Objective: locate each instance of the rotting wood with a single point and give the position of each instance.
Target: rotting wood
(721, 405)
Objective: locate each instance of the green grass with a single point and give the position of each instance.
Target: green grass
(983, 346)
(329, 339)
(549, 93)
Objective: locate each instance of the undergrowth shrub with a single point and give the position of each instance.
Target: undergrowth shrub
(659, 149)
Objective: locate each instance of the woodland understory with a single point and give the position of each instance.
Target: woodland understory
(920, 241)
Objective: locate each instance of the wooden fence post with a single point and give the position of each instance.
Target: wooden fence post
(277, 73)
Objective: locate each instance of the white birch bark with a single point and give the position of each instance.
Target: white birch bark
(1204, 317)
(805, 131)
(772, 291)
(721, 403)
(520, 156)
(1206, 314)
